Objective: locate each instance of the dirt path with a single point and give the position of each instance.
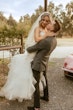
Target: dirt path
(60, 88)
(65, 41)
(60, 91)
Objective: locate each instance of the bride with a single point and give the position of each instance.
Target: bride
(20, 81)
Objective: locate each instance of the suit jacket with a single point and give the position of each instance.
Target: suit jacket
(44, 49)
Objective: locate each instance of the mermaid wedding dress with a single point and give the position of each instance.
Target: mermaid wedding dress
(20, 81)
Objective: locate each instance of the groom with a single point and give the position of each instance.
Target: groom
(39, 64)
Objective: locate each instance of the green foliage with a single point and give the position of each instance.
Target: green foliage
(10, 28)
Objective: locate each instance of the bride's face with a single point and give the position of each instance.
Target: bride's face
(44, 21)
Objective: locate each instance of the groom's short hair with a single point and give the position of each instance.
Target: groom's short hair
(56, 26)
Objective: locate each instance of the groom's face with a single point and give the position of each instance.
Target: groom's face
(44, 21)
(50, 26)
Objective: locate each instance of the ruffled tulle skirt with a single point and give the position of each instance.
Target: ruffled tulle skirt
(20, 81)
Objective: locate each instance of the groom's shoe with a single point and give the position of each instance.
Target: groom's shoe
(30, 108)
(44, 98)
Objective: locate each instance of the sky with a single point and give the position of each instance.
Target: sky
(22, 7)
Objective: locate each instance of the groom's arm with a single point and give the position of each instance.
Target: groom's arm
(38, 46)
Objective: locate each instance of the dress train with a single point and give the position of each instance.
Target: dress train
(20, 81)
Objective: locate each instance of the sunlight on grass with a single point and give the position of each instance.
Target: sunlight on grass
(51, 63)
(5, 60)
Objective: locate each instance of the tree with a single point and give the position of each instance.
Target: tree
(11, 21)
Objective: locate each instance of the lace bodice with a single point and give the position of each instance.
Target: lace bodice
(42, 33)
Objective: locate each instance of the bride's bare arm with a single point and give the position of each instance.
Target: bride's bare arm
(37, 35)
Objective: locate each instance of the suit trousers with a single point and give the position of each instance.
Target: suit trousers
(46, 91)
(36, 75)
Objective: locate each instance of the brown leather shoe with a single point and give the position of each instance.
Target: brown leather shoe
(30, 108)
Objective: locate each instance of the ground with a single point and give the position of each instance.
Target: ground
(65, 41)
(60, 90)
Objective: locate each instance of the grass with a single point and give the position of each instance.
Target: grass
(51, 63)
(5, 60)
(4, 66)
